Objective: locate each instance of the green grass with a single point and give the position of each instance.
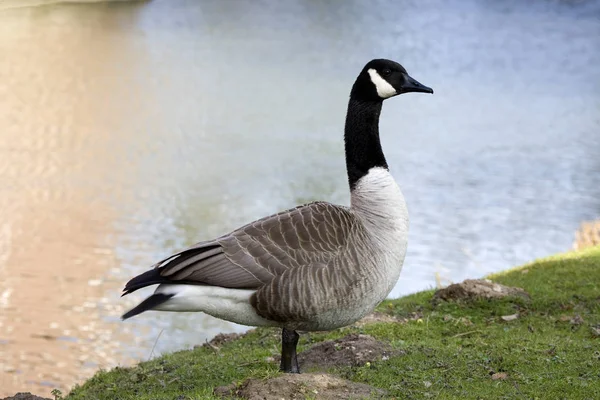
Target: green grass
(450, 350)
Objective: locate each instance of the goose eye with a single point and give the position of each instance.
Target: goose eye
(386, 72)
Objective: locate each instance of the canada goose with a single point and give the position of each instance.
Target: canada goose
(315, 267)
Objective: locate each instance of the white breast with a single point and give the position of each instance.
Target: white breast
(379, 203)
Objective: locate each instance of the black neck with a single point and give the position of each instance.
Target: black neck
(361, 137)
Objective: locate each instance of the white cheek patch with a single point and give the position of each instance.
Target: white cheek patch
(384, 89)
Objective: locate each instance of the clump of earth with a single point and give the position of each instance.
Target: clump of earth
(301, 386)
(25, 396)
(353, 350)
(223, 338)
(350, 351)
(477, 289)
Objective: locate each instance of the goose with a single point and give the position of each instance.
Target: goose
(315, 267)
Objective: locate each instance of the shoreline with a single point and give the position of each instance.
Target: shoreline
(408, 314)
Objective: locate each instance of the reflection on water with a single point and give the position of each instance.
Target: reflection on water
(129, 130)
(57, 232)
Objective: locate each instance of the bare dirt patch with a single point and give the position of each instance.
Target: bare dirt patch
(376, 317)
(25, 396)
(301, 386)
(477, 289)
(223, 338)
(351, 350)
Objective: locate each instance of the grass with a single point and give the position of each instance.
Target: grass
(450, 350)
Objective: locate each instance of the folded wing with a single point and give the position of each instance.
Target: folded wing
(249, 257)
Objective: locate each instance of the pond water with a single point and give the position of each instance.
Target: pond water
(129, 130)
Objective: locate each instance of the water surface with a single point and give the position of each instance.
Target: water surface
(129, 130)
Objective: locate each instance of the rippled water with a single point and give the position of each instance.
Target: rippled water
(129, 130)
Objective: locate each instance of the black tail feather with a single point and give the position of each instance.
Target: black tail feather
(148, 304)
(151, 277)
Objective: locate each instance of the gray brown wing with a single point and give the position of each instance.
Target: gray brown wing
(253, 255)
(301, 294)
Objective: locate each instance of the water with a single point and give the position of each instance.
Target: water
(129, 130)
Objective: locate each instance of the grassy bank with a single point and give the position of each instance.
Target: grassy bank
(446, 350)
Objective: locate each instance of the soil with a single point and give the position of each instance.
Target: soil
(350, 351)
(301, 386)
(476, 289)
(25, 396)
(376, 317)
(223, 338)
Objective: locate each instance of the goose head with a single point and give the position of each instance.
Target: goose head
(381, 79)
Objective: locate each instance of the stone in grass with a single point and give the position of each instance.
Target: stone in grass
(25, 396)
(499, 376)
(477, 289)
(509, 318)
(301, 386)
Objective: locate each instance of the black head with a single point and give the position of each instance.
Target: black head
(381, 79)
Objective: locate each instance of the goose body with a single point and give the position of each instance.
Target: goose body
(315, 267)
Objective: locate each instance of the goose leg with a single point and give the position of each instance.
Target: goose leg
(289, 359)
